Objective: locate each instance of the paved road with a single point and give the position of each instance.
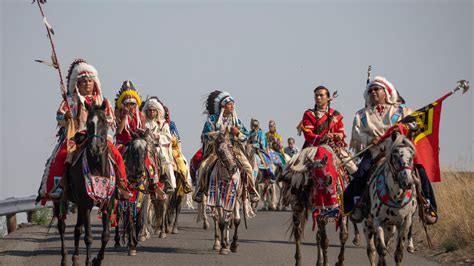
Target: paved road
(264, 243)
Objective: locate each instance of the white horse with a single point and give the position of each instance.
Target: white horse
(393, 200)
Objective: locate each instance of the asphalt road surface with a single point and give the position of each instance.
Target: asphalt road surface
(265, 242)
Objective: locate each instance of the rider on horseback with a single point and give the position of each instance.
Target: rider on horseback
(181, 164)
(222, 116)
(275, 143)
(384, 108)
(156, 122)
(259, 143)
(83, 88)
(323, 125)
(129, 118)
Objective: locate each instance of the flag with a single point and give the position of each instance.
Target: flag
(426, 136)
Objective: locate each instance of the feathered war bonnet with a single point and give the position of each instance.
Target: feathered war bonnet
(78, 70)
(214, 104)
(127, 94)
(381, 82)
(155, 103)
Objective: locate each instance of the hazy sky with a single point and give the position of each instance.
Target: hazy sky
(268, 54)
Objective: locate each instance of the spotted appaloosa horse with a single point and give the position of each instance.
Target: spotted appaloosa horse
(393, 200)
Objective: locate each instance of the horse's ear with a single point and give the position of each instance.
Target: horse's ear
(146, 133)
(104, 105)
(134, 135)
(87, 106)
(394, 136)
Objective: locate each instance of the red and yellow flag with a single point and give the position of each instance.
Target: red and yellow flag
(426, 137)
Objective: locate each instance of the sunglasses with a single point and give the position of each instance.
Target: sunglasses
(374, 89)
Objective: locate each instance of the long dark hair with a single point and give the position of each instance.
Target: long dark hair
(328, 94)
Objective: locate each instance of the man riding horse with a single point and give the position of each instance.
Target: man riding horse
(222, 117)
(384, 107)
(83, 89)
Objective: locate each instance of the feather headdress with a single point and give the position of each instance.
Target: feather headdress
(127, 93)
(155, 103)
(79, 69)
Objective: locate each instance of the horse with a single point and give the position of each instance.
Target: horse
(393, 200)
(306, 176)
(140, 172)
(225, 194)
(91, 164)
(268, 187)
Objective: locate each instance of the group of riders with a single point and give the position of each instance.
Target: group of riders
(383, 109)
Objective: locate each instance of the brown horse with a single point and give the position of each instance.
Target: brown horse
(300, 186)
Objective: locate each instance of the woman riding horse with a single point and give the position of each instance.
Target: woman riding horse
(222, 116)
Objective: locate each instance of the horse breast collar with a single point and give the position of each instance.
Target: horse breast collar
(384, 195)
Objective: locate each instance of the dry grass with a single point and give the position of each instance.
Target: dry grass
(453, 235)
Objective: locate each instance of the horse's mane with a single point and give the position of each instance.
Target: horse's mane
(400, 140)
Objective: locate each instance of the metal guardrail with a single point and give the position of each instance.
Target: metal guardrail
(16, 205)
(11, 206)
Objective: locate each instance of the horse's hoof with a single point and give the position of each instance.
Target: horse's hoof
(175, 230)
(132, 252)
(142, 238)
(75, 260)
(168, 230)
(205, 225)
(411, 249)
(234, 247)
(162, 235)
(216, 247)
(356, 241)
(224, 251)
(96, 262)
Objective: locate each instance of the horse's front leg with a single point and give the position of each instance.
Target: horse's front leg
(176, 214)
(402, 238)
(369, 237)
(410, 245)
(323, 242)
(105, 239)
(88, 233)
(77, 236)
(380, 241)
(223, 224)
(343, 236)
(117, 227)
(131, 242)
(57, 206)
(234, 246)
(217, 236)
(298, 228)
(356, 240)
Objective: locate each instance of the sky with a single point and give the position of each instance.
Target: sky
(269, 55)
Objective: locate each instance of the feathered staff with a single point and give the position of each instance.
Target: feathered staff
(54, 57)
(70, 130)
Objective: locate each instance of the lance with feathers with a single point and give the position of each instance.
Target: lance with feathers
(54, 57)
